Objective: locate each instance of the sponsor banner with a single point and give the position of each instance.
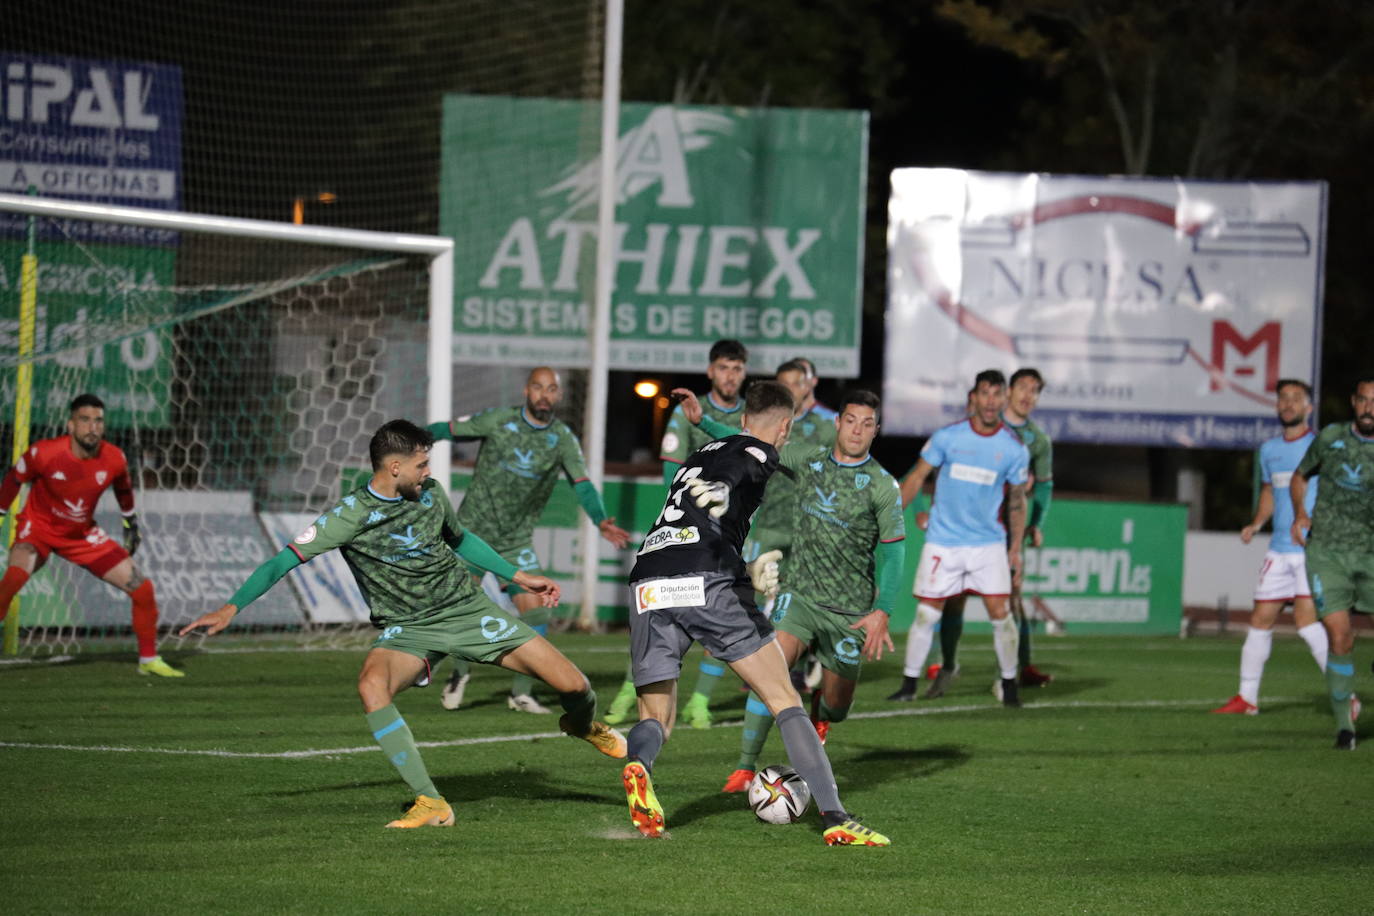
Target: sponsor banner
(197, 550)
(688, 591)
(88, 346)
(1105, 567)
(731, 222)
(1160, 312)
(326, 587)
(91, 130)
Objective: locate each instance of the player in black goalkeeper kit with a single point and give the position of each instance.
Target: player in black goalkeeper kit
(690, 583)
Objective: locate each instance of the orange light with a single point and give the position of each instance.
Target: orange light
(646, 388)
(661, 403)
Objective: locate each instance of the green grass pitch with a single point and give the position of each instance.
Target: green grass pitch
(253, 786)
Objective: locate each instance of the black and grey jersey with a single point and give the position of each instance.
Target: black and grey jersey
(686, 538)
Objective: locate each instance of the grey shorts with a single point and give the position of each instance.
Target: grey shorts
(667, 615)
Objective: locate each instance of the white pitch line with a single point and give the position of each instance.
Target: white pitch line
(536, 736)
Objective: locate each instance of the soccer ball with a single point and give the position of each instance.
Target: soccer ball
(778, 795)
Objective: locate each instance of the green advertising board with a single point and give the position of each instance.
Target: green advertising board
(1105, 567)
(730, 222)
(99, 328)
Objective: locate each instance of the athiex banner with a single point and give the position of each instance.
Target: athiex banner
(730, 222)
(1161, 312)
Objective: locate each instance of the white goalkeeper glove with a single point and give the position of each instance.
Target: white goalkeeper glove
(710, 495)
(763, 572)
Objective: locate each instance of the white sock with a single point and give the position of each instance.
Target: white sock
(1315, 636)
(1006, 640)
(143, 661)
(919, 639)
(1253, 655)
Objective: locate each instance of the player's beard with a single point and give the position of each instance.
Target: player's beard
(542, 414)
(89, 443)
(1289, 422)
(1364, 425)
(409, 491)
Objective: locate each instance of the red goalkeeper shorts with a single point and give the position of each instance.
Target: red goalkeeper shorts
(92, 550)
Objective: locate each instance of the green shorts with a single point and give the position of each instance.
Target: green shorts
(522, 558)
(475, 629)
(825, 632)
(1340, 580)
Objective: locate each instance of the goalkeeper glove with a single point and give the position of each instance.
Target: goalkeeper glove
(763, 572)
(131, 536)
(710, 495)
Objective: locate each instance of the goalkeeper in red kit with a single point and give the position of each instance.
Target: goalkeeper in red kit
(68, 474)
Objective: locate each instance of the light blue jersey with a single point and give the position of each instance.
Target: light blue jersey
(969, 489)
(1278, 458)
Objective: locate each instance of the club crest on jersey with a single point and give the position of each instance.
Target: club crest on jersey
(808, 428)
(552, 439)
(100, 476)
(861, 481)
(426, 499)
(668, 536)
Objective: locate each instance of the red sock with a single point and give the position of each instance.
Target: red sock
(13, 581)
(145, 619)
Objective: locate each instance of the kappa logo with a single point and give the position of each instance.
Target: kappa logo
(861, 481)
(390, 632)
(816, 466)
(496, 628)
(375, 517)
(511, 427)
(58, 475)
(827, 500)
(100, 476)
(350, 501)
(654, 154)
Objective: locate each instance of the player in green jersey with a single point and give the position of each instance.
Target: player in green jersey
(399, 535)
(728, 361)
(524, 450)
(1339, 537)
(848, 526)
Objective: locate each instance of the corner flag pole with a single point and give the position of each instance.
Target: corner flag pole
(23, 397)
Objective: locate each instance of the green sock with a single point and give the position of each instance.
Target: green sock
(461, 667)
(580, 705)
(1023, 627)
(951, 628)
(1340, 683)
(398, 744)
(757, 721)
(833, 715)
(536, 619)
(708, 675)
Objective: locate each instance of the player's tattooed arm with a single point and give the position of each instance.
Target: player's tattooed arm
(1016, 523)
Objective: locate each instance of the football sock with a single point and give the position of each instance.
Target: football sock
(1004, 641)
(758, 721)
(580, 705)
(537, 619)
(808, 758)
(1340, 682)
(1253, 655)
(398, 744)
(145, 620)
(951, 630)
(644, 742)
(1314, 634)
(919, 639)
(10, 585)
(708, 675)
(461, 667)
(832, 715)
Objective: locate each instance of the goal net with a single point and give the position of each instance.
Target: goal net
(242, 375)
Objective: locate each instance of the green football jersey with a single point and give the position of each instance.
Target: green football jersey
(400, 552)
(517, 466)
(681, 438)
(1038, 444)
(1343, 518)
(772, 524)
(843, 512)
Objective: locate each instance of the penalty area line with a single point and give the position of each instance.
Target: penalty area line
(539, 736)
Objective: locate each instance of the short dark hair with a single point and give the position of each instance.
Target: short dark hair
(1362, 380)
(85, 400)
(809, 366)
(397, 437)
(729, 349)
(992, 377)
(863, 398)
(1286, 382)
(793, 365)
(766, 395)
(1027, 372)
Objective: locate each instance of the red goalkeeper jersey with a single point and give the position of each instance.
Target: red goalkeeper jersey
(66, 488)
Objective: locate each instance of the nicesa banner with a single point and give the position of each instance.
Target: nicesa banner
(730, 222)
(1160, 312)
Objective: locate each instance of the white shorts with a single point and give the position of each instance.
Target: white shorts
(948, 571)
(1283, 577)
